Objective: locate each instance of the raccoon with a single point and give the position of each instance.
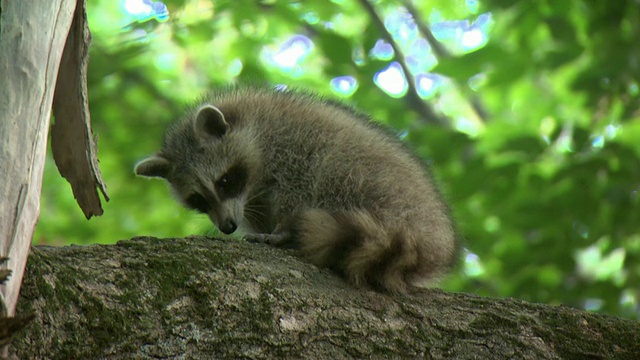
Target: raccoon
(291, 169)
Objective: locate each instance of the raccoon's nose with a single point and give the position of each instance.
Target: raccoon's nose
(228, 227)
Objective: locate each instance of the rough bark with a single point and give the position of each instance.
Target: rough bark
(202, 298)
(32, 38)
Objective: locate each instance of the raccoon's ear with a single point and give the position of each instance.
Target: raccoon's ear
(153, 166)
(210, 123)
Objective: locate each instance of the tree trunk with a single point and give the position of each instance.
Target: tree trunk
(32, 39)
(202, 298)
(43, 46)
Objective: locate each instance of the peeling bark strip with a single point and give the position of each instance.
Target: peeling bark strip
(202, 298)
(73, 147)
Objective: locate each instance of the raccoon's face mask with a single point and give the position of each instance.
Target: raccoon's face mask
(205, 166)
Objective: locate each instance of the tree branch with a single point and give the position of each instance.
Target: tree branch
(438, 49)
(441, 54)
(204, 298)
(412, 97)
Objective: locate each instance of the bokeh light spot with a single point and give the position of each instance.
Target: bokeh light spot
(392, 80)
(344, 85)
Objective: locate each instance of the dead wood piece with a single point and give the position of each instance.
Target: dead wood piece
(74, 149)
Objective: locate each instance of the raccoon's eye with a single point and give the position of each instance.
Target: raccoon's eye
(232, 183)
(197, 202)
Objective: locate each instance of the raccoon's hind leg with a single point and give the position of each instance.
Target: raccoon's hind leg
(357, 246)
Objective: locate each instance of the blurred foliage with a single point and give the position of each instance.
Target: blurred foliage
(540, 162)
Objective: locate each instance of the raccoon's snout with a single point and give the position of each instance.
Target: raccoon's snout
(228, 226)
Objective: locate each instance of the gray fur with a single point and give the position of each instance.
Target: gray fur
(320, 177)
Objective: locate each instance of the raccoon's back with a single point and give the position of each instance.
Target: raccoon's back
(362, 203)
(305, 136)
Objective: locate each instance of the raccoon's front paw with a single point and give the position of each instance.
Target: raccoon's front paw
(269, 239)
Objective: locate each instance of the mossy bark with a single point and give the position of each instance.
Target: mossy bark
(204, 298)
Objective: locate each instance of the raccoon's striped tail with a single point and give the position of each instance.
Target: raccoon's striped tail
(354, 244)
